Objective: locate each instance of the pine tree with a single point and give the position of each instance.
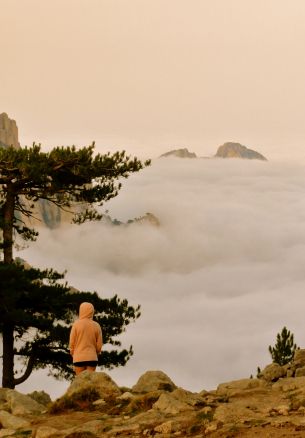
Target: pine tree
(68, 178)
(37, 310)
(64, 176)
(284, 349)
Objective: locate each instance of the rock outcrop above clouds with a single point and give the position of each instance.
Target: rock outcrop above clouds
(8, 132)
(45, 213)
(147, 218)
(272, 405)
(227, 150)
(179, 153)
(237, 150)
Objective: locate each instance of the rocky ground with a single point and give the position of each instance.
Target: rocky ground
(272, 405)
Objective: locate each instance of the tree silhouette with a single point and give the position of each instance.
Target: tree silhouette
(37, 310)
(284, 349)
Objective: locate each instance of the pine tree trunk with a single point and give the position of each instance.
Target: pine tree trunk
(8, 357)
(8, 330)
(8, 222)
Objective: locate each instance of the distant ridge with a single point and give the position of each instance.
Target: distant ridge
(179, 153)
(227, 150)
(237, 150)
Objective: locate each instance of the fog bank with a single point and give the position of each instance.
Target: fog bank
(217, 280)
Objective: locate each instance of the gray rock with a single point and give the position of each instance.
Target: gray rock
(168, 403)
(6, 432)
(235, 387)
(273, 372)
(21, 404)
(299, 358)
(290, 384)
(148, 418)
(10, 421)
(178, 401)
(100, 382)
(235, 413)
(95, 427)
(166, 427)
(300, 372)
(191, 398)
(126, 396)
(153, 381)
(45, 432)
(99, 402)
(236, 150)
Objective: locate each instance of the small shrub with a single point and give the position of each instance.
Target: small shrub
(205, 416)
(80, 400)
(142, 402)
(22, 434)
(195, 428)
(125, 389)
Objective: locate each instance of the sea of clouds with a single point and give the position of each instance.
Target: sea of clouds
(216, 281)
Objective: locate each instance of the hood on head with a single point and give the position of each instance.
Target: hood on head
(86, 310)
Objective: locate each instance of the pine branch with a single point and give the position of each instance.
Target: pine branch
(28, 371)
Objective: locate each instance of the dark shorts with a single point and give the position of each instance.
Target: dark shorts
(86, 363)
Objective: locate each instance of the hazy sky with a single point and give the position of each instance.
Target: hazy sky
(217, 280)
(149, 75)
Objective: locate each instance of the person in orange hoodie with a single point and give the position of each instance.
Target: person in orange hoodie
(85, 340)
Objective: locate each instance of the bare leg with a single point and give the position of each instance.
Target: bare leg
(78, 370)
(91, 369)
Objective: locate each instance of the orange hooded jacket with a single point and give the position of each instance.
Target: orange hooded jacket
(86, 336)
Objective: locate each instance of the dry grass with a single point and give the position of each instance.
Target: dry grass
(81, 400)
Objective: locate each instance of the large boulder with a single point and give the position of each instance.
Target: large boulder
(178, 401)
(9, 421)
(191, 398)
(168, 404)
(101, 383)
(273, 372)
(299, 358)
(21, 404)
(153, 381)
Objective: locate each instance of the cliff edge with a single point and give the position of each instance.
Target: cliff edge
(8, 132)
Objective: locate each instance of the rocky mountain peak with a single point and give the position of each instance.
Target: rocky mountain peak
(237, 150)
(8, 132)
(179, 153)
